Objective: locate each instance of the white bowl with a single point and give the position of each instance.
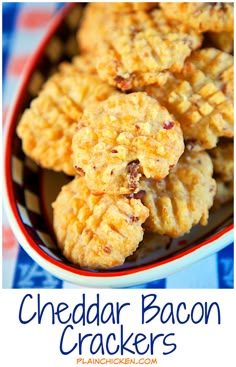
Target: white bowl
(29, 191)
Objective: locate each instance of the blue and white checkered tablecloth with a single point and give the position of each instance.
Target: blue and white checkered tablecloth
(24, 25)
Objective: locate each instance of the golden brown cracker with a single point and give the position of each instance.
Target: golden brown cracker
(124, 138)
(137, 48)
(48, 125)
(201, 98)
(202, 16)
(97, 231)
(183, 198)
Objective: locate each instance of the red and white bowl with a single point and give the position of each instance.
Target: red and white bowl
(29, 191)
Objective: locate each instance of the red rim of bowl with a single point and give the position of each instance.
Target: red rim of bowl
(8, 186)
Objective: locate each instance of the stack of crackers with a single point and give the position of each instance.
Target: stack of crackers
(142, 122)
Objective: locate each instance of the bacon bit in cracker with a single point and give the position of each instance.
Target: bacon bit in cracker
(212, 188)
(133, 219)
(190, 144)
(221, 5)
(133, 168)
(107, 249)
(123, 83)
(79, 170)
(168, 125)
(137, 195)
